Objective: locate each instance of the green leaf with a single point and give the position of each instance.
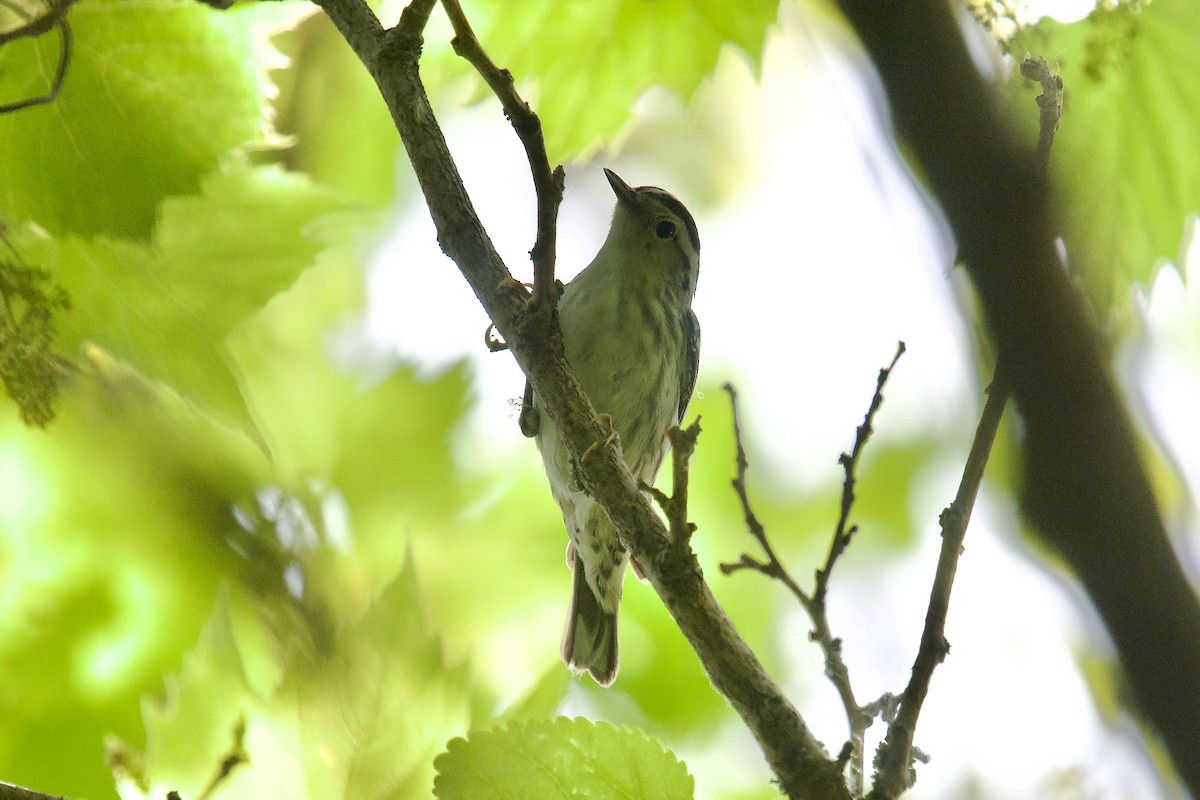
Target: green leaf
(362, 720)
(383, 444)
(157, 91)
(166, 307)
(113, 543)
(188, 733)
(565, 758)
(1124, 158)
(542, 698)
(375, 713)
(344, 136)
(592, 60)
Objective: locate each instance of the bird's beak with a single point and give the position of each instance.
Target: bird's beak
(620, 188)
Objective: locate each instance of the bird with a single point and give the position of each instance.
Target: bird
(633, 342)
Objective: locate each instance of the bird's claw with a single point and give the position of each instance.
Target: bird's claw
(512, 283)
(611, 436)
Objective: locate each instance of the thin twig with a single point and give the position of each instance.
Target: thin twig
(773, 567)
(798, 760)
(858, 718)
(547, 182)
(55, 17)
(894, 773)
(1049, 105)
(683, 446)
(843, 532)
(234, 757)
(36, 26)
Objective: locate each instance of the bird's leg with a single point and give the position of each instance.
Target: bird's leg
(512, 283)
(610, 436)
(530, 420)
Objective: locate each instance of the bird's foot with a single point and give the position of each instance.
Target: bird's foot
(610, 436)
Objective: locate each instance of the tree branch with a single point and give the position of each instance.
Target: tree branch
(894, 764)
(675, 507)
(894, 772)
(1085, 489)
(1049, 106)
(842, 534)
(55, 13)
(55, 17)
(9, 791)
(391, 57)
(547, 183)
(858, 718)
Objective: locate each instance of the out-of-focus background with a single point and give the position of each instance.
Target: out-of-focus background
(284, 442)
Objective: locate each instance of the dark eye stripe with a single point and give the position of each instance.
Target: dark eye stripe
(668, 201)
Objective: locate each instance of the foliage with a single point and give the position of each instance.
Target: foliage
(159, 93)
(28, 367)
(1123, 158)
(566, 758)
(222, 501)
(591, 61)
(359, 717)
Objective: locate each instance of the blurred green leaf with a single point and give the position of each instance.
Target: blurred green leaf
(381, 447)
(652, 646)
(565, 758)
(344, 136)
(542, 699)
(591, 61)
(188, 732)
(883, 506)
(215, 258)
(157, 92)
(112, 545)
(1124, 157)
(363, 720)
(375, 714)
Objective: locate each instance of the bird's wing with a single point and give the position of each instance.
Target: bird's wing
(691, 361)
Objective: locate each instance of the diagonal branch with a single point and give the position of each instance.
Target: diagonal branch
(547, 183)
(56, 12)
(1085, 488)
(391, 57)
(842, 534)
(896, 754)
(55, 17)
(894, 773)
(858, 718)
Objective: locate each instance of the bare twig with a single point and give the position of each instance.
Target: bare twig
(531, 330)
(234, 757)
(547, 183)
(1049, 103)
(55, 17)
(773, 567)
(858, 718)
(683, 446)
(894, 766)
(10, 792)
(849, 462)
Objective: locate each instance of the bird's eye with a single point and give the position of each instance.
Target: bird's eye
(664, 229)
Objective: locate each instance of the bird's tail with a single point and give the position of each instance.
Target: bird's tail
(590, 638)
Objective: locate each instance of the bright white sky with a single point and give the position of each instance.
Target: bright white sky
(819, 254)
